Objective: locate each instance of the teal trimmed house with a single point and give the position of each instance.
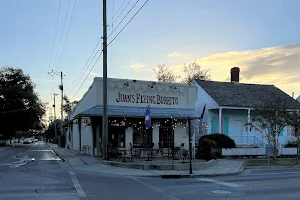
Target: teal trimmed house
(228, 107)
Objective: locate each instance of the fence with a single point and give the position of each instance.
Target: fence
(152, 155)
(244, 152)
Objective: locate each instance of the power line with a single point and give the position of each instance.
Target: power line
(127, 23)
(67, 34)
(87, 75)
(112, 25)
(55, 32)
(63, 31)
(118, 11)
(124, 17)
(85, 67)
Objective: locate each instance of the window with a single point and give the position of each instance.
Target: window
(142, 137)
(166, 137)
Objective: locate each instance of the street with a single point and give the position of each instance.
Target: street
(34, 171)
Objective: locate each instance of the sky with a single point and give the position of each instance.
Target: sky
(262, 37)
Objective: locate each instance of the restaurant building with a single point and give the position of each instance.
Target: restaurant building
(170, 107)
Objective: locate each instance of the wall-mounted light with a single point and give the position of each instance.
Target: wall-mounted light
(126, 83)
(173, 87)
(151, 84)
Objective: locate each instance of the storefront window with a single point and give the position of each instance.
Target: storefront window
(166, 135)
(142, 137)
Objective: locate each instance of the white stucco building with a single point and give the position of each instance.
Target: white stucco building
(170, 106)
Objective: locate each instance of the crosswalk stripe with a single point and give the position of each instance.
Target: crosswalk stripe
(220, 182)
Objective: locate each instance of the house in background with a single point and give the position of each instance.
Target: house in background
(228, 107)
(298, 99)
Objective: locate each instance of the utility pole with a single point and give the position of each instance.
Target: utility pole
(62, 97)
(55, 119)
(104, 118)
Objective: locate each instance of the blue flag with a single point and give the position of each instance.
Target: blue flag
(203, 111)
(148, 117)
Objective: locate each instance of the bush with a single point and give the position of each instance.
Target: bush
(2, 143)
(222, 140)
(217, 142)
(291, 145)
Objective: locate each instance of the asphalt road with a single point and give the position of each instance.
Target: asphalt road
(33, 171)
(47, 177)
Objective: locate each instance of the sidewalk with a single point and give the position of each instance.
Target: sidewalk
(89, 163)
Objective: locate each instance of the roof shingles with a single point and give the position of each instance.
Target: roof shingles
(246, 95)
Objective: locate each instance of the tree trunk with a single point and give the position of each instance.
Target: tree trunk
(275, 151)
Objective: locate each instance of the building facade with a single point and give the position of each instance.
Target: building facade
(170, 107)
(228, 108)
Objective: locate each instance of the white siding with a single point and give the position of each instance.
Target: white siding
(202, 99)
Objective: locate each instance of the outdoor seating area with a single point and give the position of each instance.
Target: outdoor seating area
(152, 155)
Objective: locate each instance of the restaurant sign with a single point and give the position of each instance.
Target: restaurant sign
(146, 99)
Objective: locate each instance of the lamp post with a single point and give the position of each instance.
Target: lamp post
(190, 145)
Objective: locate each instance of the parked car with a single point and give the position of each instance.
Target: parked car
(35, 140)
(27, 141)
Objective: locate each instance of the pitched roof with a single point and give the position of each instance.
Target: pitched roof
(246, 95)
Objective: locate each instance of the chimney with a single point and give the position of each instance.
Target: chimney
(235, 74)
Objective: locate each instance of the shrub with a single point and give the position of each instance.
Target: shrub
(222, 140)
(2, 143)
(217, 141)
(291, 145)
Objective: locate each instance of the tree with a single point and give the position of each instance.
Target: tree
(271, 118)
(294, 122)
(50, 132)
(20, 107)
(193, 71)
(165, 74)
(69, 106)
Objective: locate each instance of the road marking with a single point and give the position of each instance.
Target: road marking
(20, 162)
(220, 182)
(79, 189)
(276, 173)
(256, 184)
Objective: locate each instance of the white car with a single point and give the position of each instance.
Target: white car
(28, 140)
(35, 140)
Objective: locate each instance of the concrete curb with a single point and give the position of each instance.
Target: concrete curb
(203, 175)
(56, 153)
(153, 166)
(270, 167)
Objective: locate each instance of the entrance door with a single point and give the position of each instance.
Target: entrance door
(116, 136)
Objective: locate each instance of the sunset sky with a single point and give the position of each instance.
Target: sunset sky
(262, 37)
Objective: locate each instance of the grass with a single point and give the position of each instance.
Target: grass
(278, 162)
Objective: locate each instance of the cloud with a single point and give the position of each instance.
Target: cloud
(176, 55)
(137, 66)
(278, 66)
(93, 74)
